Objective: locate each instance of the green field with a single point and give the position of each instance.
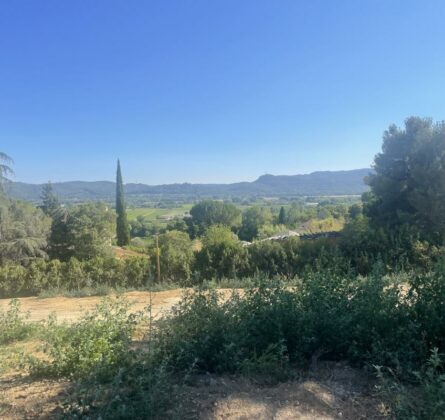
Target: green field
(160, 215)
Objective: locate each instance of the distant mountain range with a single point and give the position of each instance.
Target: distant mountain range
(322, 183)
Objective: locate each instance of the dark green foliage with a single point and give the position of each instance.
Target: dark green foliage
(409, 181)
(141, 390)
(142, 227)
(253, 219)
(50, 203)
(209, 213)
(265, 332)
(122, 226)
(424, 399)
(222, 255)
(83, 231)
(74, 275)
(355, 211)
(5, 169)
(58, 243)
(402, 247)
(363, 320)
(24, 231)
(176, 257)
(282, 216)
(268, 258)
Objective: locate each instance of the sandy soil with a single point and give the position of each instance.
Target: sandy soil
(332, 391)
(70, 309)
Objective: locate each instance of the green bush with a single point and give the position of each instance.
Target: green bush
(424, 398)
(378, 319)
(264, 332)
(74, 275)
(96, 345)
(13, 324)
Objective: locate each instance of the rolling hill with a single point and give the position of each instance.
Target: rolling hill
(322, 183)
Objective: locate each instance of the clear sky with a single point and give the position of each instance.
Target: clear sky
(211, 90)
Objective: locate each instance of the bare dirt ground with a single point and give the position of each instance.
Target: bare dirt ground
(333, 391)
(70, 309)
(330, 391)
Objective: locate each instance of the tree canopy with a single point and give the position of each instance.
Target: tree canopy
(253, 219)
(24, 231)
(122, 226)
(50, 203)
(5, 168)
(83, 231)
(207, 213)
(408, 185)
(222, 254)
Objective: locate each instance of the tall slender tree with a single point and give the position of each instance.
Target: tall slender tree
(122, 228)
(50, 203)
(5, 169)
(282, 217)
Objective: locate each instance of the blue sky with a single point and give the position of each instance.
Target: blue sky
(211, 90)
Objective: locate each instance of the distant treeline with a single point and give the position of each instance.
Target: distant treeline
(317, 183)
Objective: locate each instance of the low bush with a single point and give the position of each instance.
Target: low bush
(43, 276)
(14, 325)
(263, 332)
(423, 398)
(97, 345)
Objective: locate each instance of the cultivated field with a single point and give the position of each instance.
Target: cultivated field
(158, 214)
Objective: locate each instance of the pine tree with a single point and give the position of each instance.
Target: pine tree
(122, 228)
(50, 203)
(58, 247)
(5, 170)
(282, 217)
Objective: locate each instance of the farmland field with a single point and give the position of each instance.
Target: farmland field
(156, 213)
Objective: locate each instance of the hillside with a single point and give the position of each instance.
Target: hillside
(314, 184)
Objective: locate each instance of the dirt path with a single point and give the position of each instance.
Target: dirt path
(70, 309)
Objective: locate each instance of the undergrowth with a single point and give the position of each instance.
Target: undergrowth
(264, 332)
(14, 325)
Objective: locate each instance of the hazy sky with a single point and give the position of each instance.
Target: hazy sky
(211, 90)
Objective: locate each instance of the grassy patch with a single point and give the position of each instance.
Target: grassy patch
(158, 214)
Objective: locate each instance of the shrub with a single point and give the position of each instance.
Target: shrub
(262, 333)
(206, 332)
(176, 257)
(97, 345)
(73, 275)
(422, 400)
(222, 255)
(13, 324)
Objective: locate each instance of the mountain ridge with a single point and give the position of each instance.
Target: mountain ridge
(346, 182)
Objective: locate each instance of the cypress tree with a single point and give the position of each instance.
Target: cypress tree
(282, 217)
(122, 228)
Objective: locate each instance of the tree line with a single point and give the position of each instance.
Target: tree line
(399, 225)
